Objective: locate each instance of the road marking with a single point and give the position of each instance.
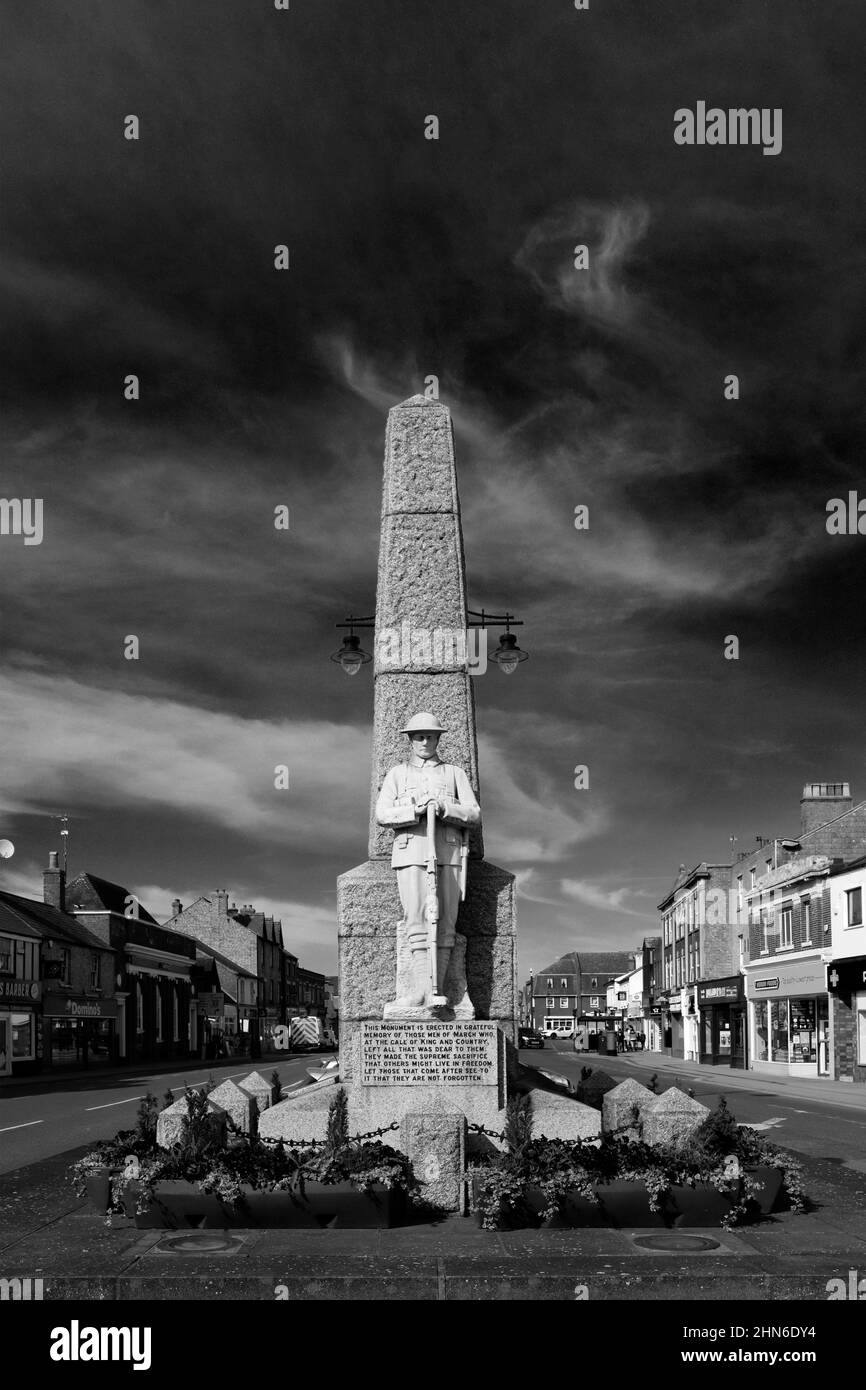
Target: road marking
(26, 1125)
(108, 1105)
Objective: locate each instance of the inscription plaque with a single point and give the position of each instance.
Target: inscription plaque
(401, 1052)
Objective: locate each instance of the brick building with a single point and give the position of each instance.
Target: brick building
(252, 941)
(696, 945)
(153, 969)
(573, 990)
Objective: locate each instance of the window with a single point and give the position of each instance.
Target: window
(94, 970)
(595, 1002)
(158, 1013)
(7, 955)
(550, 984)
(22, 1036)
(139, 1008)
(551, 1002)
(563, 1003)
(563, 984)
(739, 894)
(765, 929)
(752, 876)
(593, 984)
(786, 926)
(175, 1019)
(769, 863)
(807, 921)
(66, 965)
(855, 907)
(741, 943)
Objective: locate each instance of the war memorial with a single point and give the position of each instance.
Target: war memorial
(427, 926)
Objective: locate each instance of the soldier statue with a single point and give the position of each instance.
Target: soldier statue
(430, 805)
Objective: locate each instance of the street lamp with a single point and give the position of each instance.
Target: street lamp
(351, 655)
(507, 655)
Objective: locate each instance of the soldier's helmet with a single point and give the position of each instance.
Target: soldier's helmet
(424, 723)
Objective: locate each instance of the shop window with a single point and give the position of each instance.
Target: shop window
(855, 907)
(22, 1036)
(804, 1037)
(778, 1030)
(860, 1005)
(786, 926)
(762, 1045)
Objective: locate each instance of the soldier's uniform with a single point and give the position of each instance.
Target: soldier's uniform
(406, 786)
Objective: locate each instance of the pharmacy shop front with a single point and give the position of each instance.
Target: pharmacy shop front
(789, 1027)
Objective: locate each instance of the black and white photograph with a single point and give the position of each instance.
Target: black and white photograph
(432, 756)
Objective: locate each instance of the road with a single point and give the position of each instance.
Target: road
(788, 1114)
(51, 1116)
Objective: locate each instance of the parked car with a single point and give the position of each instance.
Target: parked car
(559, 1033)
(529, 1037)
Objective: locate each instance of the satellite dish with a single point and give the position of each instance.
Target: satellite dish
(7, 849)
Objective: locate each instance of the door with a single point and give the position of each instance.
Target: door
(5, 1045)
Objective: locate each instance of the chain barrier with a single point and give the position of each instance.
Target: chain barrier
(491, 1133)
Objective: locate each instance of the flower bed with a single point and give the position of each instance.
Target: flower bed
(722, 1175)
(245, 1182)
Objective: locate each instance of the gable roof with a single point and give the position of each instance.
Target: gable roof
(88, 893)
(28, 917)
(606, 962)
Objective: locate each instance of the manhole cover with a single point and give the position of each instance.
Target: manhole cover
(200, 1243)
(675, 1241)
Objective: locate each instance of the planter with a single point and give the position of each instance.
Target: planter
(180, 1204)
(625, 1204)
(99, 1188)
(771, 1180)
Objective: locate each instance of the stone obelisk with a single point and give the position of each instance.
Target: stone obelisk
(421, 591)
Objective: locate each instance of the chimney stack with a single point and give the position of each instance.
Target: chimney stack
(222, 902)
(823, 801)
(54, 884)
(176, 907)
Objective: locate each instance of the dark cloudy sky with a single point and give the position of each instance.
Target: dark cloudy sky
(411, 257)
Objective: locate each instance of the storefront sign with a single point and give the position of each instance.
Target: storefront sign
(78, 1006)
(787, 979)
(721, 991)
(847, 976)
(20, 989)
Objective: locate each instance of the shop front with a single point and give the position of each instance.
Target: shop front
(80, 1031)
(19, 1016)
(722, 1008)
(789, 1025)
(846, 985)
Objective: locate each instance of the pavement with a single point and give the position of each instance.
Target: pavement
(729, 1078)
